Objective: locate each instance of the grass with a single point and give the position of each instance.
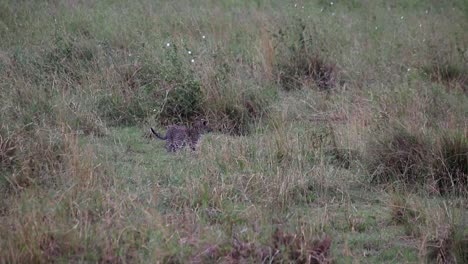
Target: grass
(339, 131)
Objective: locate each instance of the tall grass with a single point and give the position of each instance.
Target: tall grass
(321, 111)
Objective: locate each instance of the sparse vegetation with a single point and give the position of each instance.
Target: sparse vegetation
(339, 131)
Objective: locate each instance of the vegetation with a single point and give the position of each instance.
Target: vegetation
(339, 131)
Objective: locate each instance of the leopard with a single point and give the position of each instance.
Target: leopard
(178, 136)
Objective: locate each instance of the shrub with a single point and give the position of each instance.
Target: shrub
(167, 90)
(183, 96)
(183, 102)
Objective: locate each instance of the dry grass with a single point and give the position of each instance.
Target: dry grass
(340, 132)
(7, 151)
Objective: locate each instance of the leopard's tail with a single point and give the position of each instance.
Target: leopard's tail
(158, 135)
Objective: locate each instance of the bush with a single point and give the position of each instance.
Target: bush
(183, 102)
(167, 90)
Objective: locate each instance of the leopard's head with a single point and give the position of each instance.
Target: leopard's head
(202, 126)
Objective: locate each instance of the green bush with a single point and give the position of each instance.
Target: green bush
(183, 102)
(167, 90)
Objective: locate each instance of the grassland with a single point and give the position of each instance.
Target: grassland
(342, 122)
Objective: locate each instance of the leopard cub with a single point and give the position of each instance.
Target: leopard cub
(178, 137)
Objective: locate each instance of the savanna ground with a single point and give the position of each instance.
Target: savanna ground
(340, 131)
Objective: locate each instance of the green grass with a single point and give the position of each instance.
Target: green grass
(345, 121)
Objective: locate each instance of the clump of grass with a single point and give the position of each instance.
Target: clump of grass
(448, 74)
(447, 65)
(446, 240)
(299, 250)
(283, 247)
(70, 57)
(441, 248)
(39, 159)
(402, 156)
(398, 155)
(451, 163)
(440, 229)
(237, 116)
(299, 64)
(303, 70)
(233, 101)
(405, 212)
(8, 148)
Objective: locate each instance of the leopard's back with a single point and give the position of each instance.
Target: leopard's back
(178, 137)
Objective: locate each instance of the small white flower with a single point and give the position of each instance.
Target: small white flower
(189, 52)
(203, 37)
(302, 7)
(402, 17)
(376, 28)
(420, 25)
(295, 5)
(409, 69)
(192, 60)
(168, 44)
(427, 11)
(321, 10)
(129, 54)
(331, 3)
(154, 110)
(333, 13)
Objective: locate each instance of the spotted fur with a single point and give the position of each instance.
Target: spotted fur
(177, 137)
